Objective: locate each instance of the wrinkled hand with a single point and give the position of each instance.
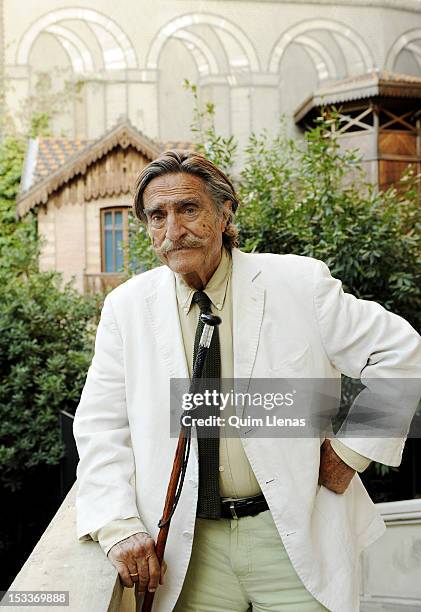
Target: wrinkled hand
(136, 555)
(334, 474)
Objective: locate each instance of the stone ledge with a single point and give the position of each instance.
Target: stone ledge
(59, 562)
(413, 6)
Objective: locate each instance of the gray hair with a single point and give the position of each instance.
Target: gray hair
(218, 185)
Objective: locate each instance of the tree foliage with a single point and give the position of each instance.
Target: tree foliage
(221, 150)
(53, 94)
(45, 350)
(18, 245)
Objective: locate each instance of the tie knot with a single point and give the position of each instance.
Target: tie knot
(204, 303)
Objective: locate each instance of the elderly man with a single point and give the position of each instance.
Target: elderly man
(271, 524)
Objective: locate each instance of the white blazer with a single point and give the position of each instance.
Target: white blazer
(290, 317)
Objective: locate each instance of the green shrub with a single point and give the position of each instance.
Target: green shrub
(311, 198)
(46, 339)
(45, 350)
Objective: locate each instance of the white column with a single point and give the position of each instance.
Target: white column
(143, 101)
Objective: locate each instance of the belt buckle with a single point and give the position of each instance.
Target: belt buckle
(232, 510)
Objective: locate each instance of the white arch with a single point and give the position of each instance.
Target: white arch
(79, 53)
(323, 62)
(305, 27)
(234, 53)
(249, 56)
(405, 41)
(416, 52)
(203, 56)
(112, 54)
(123, 44)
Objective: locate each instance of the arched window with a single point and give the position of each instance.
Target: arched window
(114, 235)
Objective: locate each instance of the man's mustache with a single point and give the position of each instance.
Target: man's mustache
(188, 242)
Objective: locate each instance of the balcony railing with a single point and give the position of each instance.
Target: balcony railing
(390, 568)
(102, 282)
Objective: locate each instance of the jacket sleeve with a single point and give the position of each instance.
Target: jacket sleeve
(357, 462)
(116, 531)
(363, 340)
(105, 473)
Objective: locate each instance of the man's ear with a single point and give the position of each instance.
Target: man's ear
(227, 212)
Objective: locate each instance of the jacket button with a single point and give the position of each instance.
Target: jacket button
(193, 483)
(187, 534)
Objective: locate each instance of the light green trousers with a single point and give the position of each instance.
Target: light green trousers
(237, 565)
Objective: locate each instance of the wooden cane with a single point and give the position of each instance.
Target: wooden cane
(181, 453)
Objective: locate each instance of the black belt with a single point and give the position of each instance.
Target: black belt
(249, 506)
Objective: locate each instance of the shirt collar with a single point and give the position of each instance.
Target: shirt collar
(216, 288)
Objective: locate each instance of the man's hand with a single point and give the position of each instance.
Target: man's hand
(334, 474)
(136, 561)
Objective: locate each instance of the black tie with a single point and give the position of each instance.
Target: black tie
(209, 504)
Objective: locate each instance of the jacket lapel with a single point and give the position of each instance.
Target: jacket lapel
(162, 309)
(248, 297)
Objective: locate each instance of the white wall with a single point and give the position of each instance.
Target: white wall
(391, 567)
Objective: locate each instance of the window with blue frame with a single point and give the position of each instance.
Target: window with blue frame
(114, 236)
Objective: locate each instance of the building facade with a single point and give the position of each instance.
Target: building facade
(253, 60)
(81, 193)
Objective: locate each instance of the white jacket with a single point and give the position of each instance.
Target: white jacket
(290, 317)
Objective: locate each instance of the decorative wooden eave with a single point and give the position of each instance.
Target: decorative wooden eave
(375, 84)
(124, 135)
